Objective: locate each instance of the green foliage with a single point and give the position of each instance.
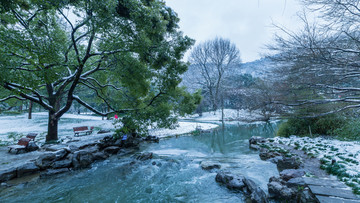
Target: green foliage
(325, 125)
(117, 53)
(349, 131)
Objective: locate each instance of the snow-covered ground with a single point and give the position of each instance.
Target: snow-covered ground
(183, 128)
(18, 126)
(229, 115)
(346, 154)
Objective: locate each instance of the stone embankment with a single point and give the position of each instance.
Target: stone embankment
(300, 177)
(60, 158)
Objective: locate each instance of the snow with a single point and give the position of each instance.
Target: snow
(38, 124)
(346, 153)
(183, 128)
(21, 126)
(229, 115)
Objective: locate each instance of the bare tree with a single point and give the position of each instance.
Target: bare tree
(212, 60)
(322, 63)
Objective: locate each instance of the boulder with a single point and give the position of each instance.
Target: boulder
(288, 174)
(100, 156)
(151, 138)
(145, 156)
(82, 159)
(131, 142)
(254, 146)
(26, 169)
(296, 182)
(278, 190)
(51, 172)
(103, 131)
(276, 159)
(265, 154)
(256, 140)
(32, 146)
(232, 181)
(111, 150)
(60, 154)
(307, 197)
(258, 196)
(208, 165)
(66, 163)
(7, 174)
(288, 163)
(45, 160)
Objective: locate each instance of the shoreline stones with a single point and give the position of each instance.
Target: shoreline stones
(63, 158)
(208, 165)
(242, 183)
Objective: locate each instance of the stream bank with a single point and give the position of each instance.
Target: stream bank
(301, 178)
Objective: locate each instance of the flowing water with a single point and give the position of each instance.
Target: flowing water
(174, 175)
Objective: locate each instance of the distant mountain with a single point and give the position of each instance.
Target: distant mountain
(261, 68)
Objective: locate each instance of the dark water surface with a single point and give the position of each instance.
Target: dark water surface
(172, 176)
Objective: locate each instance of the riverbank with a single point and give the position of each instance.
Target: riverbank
(300, 169)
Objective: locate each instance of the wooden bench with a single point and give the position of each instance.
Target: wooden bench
(21, 145)
(82, 129)
(32, 136)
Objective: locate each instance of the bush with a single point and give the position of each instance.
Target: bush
(325, 125)
(349, 131)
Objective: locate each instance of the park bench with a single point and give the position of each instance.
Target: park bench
(21, 145)
(82, 129)
(32, 136)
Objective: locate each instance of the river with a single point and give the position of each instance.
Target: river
(174, 175)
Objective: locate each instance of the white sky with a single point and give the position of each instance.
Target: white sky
(247, 23)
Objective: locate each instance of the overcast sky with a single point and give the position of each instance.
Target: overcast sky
(247, 23)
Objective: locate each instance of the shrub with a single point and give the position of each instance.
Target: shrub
(325, 125)
(349, 131)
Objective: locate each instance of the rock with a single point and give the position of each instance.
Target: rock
(45, 160)
(277, 190)
(296, 182)
(274, 189)
(111, 150)
(258, 196)
(4, 185)
(208, 165)
(51, 172)
(7, 174)
(145, 156)
(288, 163)
(60, 154)
(254, 146)
(66, 163)
(256, 140)
(103, 131)
(288, 174)
(26, 169)
(82, 159)
(151, 138)
(265, 154)
(307, 197)
(232, 181)
(131, 142)
(276, 159)
(32, 147)
(100, 156)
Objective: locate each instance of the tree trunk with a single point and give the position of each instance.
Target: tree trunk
(30, 110)
(52, 128)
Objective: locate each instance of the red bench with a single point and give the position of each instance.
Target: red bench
(32, 136)
(21, 145)
(82, 129)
